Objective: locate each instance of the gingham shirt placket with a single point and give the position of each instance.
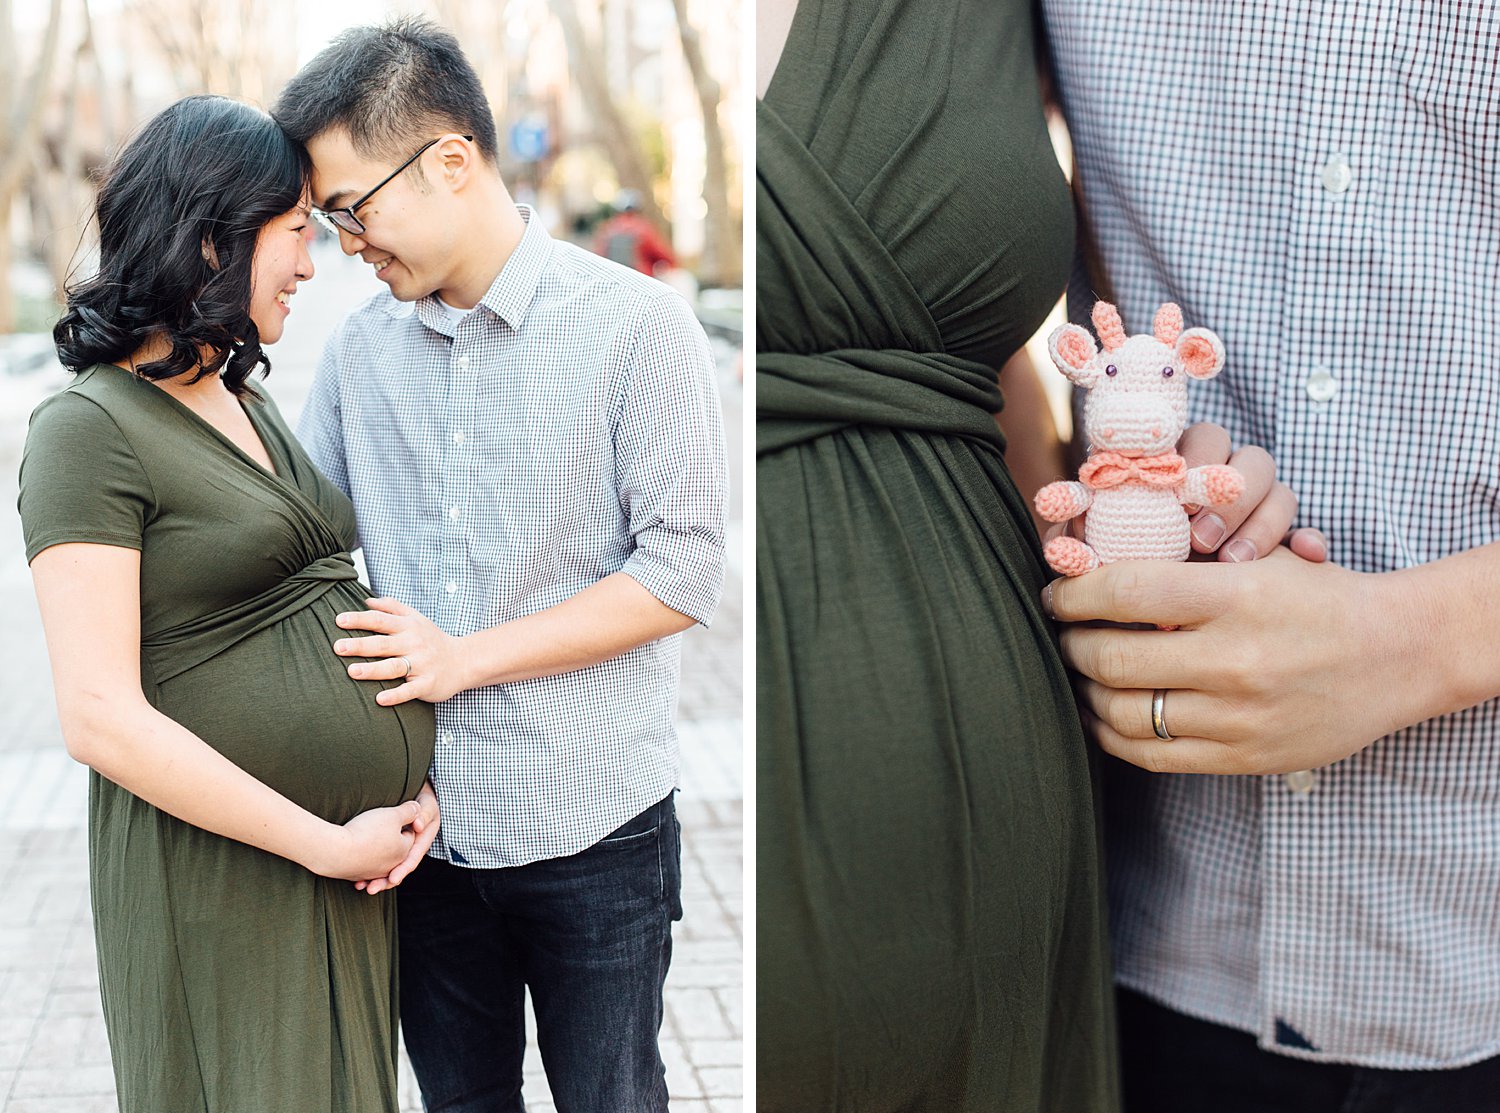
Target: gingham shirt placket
(448, 589)
(1318, 415)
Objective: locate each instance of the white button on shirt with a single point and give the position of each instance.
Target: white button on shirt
(1301, 781)
(1338, 175)
(1320, 384)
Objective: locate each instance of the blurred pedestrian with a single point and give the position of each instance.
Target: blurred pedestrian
(631, 240)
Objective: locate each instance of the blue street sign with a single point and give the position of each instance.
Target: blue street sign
(528, 139)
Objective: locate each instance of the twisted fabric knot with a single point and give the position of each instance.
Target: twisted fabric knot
(1112, 469)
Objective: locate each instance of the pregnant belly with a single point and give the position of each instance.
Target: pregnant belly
(281, 706)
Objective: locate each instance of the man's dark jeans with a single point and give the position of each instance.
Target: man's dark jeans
(589, 934)
(1174, 1064)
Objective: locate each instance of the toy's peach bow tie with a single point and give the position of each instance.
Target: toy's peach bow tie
(1111, 469)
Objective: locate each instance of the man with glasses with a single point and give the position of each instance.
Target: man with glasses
(532, 439)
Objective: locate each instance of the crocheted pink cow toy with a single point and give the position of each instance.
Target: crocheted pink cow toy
(1134, 485)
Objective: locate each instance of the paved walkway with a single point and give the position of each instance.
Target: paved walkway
(53, 1054)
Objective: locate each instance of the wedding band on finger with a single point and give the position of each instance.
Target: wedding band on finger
(407, 673)
(1158, 720)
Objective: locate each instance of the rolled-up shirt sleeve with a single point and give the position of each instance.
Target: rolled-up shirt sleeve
(670, 466)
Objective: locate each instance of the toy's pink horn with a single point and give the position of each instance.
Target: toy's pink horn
(1168, 324)
(1107, 325)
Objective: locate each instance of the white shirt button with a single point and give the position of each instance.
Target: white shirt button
(458, 437)
(453, 512)
(463, 363)
(1321, 386)
(445, 738)
(450, 587)
(1301, 781)
(1338, 175)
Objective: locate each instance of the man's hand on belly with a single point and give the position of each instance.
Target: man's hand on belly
(414, 650)
(602, 621)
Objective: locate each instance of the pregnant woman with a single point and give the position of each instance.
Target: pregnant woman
(189, 562)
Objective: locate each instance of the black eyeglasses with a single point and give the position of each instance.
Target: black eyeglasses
(345, 220)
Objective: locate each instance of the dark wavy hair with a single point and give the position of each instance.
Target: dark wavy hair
(179, 213)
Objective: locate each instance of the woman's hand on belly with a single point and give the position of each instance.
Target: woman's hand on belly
(425, 827)
(372, 844)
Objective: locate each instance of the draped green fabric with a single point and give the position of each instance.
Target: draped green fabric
(175, 651)
(929, 912)
(232, 979)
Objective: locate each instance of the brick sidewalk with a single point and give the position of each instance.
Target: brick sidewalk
(54, 1057)
(53, 1054)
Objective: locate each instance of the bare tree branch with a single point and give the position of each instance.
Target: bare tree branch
(720, 264)
(25, 115)
(620, 142)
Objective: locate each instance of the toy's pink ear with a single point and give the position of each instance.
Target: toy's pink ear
(1201, 352)
(1108, 325)
(1168, 324)
(1072, 349)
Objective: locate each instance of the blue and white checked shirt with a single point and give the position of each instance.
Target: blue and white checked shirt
(1319, 183)
(566, 429)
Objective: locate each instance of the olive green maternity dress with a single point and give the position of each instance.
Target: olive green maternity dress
(234, 981)
(930, 925)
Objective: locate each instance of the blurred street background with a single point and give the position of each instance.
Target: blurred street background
(602, 106)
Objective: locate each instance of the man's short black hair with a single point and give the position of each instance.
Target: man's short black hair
(391, 88)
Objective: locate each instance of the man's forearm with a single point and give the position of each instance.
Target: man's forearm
(1450, 617)
(602, 621)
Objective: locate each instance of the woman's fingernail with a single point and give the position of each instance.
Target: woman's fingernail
(1209, 530)
(1047, 598)
(1241, 550)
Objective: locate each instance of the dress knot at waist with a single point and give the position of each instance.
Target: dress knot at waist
(174, 651)
(803, 396)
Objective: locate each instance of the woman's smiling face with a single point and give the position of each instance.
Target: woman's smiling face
(281, 261)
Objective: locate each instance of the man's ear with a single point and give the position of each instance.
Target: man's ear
(456, 157)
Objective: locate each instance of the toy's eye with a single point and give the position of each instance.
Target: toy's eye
(1166, 372)
(1111, 370)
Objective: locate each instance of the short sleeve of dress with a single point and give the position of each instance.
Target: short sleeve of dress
(80, 479)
